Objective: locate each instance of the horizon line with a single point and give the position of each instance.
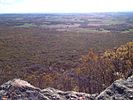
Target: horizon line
(66, 12)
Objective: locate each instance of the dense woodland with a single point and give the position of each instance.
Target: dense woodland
(95, 72)
(82, 52)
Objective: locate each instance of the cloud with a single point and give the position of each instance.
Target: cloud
(8, 1)
(68, 6)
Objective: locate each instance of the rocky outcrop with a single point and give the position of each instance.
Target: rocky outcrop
(21, 90)
(119, 90)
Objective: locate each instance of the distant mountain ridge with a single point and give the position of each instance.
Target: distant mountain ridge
(17, 89)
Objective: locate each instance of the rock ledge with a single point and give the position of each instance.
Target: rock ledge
(17, 89)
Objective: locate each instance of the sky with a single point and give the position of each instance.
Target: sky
(65, 6)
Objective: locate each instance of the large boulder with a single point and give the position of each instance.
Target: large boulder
(119, 90)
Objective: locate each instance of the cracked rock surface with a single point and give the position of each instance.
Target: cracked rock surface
(119, 90)
(17, 89)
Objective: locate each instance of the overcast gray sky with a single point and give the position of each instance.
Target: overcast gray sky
(64, 6)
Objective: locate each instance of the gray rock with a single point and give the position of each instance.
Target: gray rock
(21, 90)
(119, 90)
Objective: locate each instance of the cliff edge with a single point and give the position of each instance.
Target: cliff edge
(17, 89)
